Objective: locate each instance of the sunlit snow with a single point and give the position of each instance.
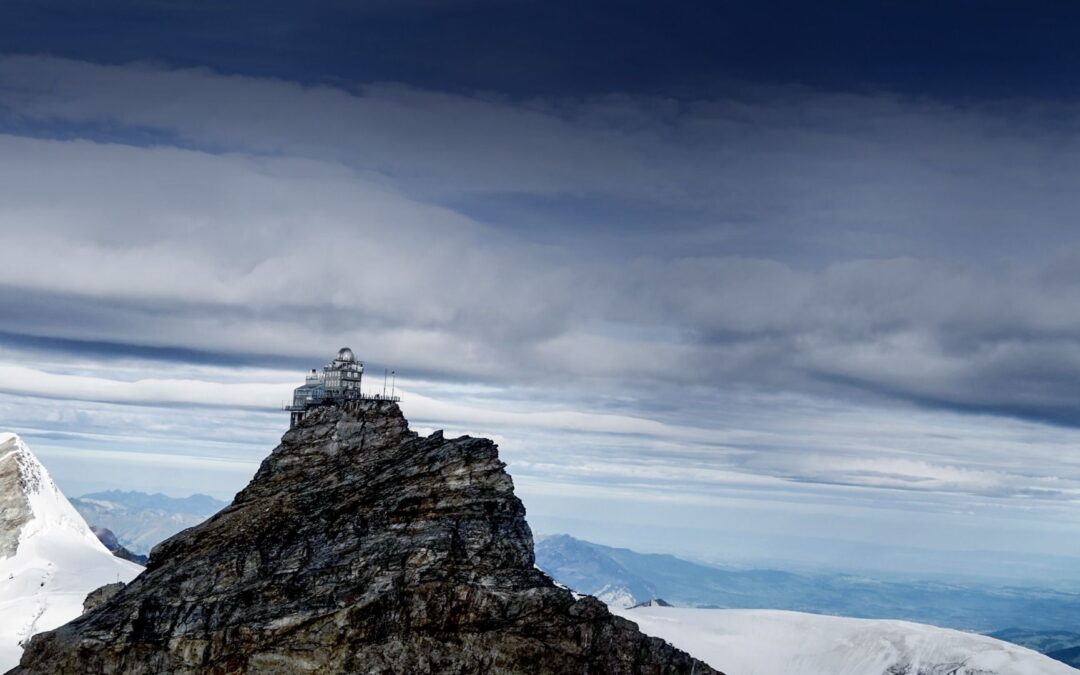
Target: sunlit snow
(773, 642)
(57, 563)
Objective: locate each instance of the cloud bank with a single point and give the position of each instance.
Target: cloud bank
(867, 299)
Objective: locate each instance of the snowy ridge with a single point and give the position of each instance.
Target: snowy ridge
(49, 509)
(617, 596)
(774, 642)
(57, 560)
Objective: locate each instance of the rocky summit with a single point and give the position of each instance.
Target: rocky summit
(358, 547)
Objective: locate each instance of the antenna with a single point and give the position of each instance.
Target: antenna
(393, 386)
(384, 382)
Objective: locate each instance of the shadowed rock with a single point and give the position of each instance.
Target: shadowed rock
(357, 547)
(100, 596)
(16, 478)
(108, 540)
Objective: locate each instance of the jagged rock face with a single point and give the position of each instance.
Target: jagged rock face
(357, 547)
(16, 478)
(100, 596)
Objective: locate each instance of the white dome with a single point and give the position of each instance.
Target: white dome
(345, 354)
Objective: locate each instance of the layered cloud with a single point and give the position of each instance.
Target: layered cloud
(775, 290)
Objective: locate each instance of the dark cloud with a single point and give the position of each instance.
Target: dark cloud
(528, 48)
(105, 351)
(785, 239)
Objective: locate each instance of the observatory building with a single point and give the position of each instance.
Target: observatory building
(338, 382)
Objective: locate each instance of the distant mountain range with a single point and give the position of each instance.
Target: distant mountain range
(623, 578)
(140, 520)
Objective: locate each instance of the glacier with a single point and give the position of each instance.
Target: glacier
(777, 642)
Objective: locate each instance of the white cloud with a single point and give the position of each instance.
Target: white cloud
(16, 379)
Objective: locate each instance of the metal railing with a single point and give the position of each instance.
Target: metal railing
(344, 398)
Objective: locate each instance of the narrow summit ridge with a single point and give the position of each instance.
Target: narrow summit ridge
(358, 546)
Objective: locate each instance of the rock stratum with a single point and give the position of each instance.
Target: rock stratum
(359, 546)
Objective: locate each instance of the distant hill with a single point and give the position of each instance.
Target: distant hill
(1061, 645)
(141, 520)
(624, 577)
(1070, 656)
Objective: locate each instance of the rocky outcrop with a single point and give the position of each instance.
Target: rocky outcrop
(108, 540)
(655, 602)
(16, 474)
(100, 596)
(358, 547)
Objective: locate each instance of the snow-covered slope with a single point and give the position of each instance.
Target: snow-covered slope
(773, 642)
(49, 558)
(618, 596)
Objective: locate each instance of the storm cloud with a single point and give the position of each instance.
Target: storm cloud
(792, 238)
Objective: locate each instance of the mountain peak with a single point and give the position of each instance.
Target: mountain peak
(32, 477)
(357, 546)
(49, 558)
(30, 503)
(14, 506)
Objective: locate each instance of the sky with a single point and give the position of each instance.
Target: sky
(766, 283)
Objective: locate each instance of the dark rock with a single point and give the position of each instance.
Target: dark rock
(131, 557)
(100, 596)
(655, 602)
(1070, 656)
(109, 540)
(18, 476)
(106, 537)
(357, 547)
